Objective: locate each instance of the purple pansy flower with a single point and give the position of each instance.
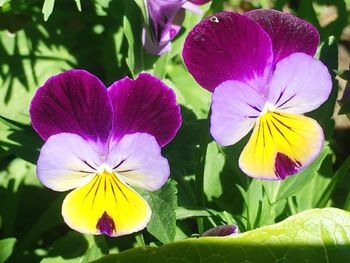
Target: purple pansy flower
(165, 19)
(263, 76)
(99, 141)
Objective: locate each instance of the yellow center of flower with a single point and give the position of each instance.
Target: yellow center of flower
(105, 205)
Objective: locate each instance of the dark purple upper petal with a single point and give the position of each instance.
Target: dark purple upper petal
(165, 18)
(74, 101)
(289, 33)
(144, 105)
(228, 46)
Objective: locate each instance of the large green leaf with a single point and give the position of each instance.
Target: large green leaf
(317, 235)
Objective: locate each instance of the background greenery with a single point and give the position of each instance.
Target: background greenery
(41, 38)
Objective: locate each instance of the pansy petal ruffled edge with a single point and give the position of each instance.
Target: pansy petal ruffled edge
(289, 33)
(300, 84)
(281, 145)
(228, 46)
(67, 161)
(74, 101)
(144, 105)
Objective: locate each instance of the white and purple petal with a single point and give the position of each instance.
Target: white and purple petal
(289, 33)
(228, 46)
(165, 18)
(137, 160)
(67, 161)
(74, 101)
(299, 84)
(235, 108)
(144, 105)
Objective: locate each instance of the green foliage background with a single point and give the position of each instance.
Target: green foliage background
(41, 38)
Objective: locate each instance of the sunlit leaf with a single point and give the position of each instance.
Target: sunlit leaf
(318, 235)
(6, 248)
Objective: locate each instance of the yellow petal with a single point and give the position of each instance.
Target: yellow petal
(105, 205)
(281, 145)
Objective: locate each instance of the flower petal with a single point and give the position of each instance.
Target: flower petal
(74, 101)
(105, 206)
(199, 2)
(67, 161)
(228, 46)
(235, 108)
(289, 33)
(137, 160)
(281, 145)
(144, 105)
(300, 84)
(166, 18)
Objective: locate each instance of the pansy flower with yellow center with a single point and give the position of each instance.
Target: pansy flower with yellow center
(263, 76)
(100, 142)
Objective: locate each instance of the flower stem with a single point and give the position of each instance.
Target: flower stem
(139, 239)
(199, 174)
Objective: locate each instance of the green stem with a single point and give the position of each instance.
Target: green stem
(139, 239)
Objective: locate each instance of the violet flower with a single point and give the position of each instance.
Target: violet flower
(165, 19)
(260, 69)
(99, 141)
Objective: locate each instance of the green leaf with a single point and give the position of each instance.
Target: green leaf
(48, 8)
(343, 74)
(342, 171)
(6, 248)
(317, 235)
(76, 248)
(77, 2)
(163, 203)
(2, 2)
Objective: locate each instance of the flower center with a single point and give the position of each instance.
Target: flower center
(269, 107)
(104, 168)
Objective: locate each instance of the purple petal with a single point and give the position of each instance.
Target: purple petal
(137, 160)
(199, 2)
(74, 101)
(289, 33)
(235, 108)
(165, 17)
(220, 231)
(66, 162)
(144, 105)
(300, 84)
(228, 46)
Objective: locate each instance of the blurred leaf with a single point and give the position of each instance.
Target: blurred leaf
(184, 213)
(2, 2)
(318, 235)
(278, 190)
(6, 248)
(163, 203)
(19, 139)
(338, 176)
(76, 248)
(48, 8)
(77, 2)
(344, 74)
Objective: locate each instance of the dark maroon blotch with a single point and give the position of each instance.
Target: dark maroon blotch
(106, 224)
(284, 166)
